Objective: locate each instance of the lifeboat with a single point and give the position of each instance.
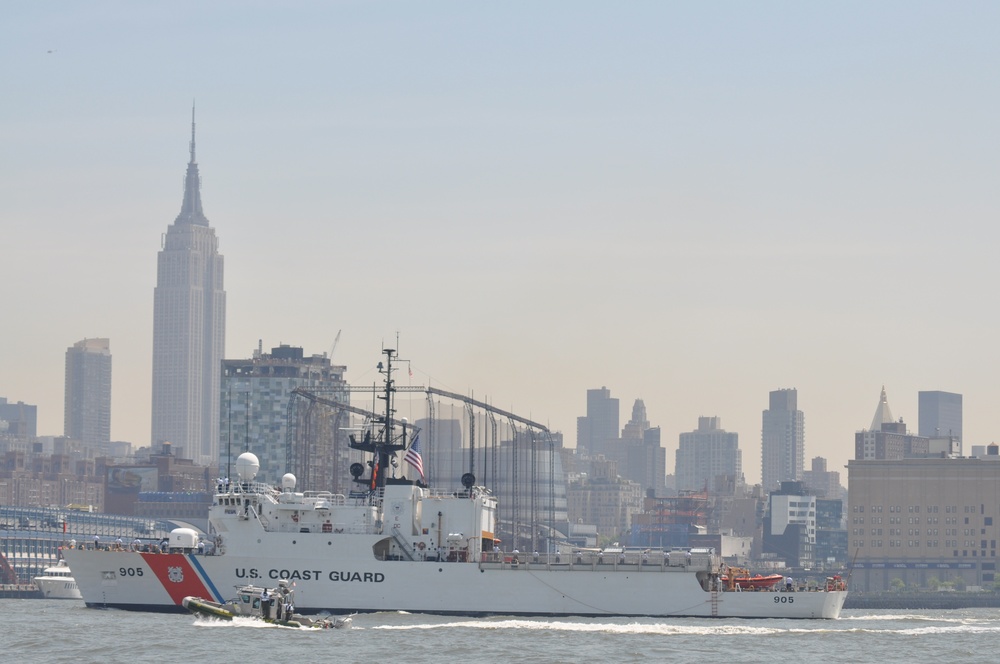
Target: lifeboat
(740, 578)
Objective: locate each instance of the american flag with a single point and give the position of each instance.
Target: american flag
(413, 456)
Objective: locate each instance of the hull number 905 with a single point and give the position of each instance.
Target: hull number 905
(778, 599)
(129, 571)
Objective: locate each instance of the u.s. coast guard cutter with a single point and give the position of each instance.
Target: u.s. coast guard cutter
(400, 545)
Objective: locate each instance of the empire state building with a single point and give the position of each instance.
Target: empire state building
(189, 326)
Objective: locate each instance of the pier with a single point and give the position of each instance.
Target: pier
(19, 591)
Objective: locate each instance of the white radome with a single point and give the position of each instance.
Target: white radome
(247, 466)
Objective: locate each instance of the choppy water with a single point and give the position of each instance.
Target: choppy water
(66, 631)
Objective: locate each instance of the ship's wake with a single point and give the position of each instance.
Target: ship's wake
(718, 628)
(246, 622)
(596, 627)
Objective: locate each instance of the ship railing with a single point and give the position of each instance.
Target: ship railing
(439, 492)
(366, 497)
(778, 588)
(335, 499)
(246, 488)
(460, 493)
(591, 561)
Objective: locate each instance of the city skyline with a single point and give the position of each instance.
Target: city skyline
(690, 205)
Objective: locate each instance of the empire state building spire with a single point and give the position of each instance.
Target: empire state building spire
(189, 330)
(191, 212)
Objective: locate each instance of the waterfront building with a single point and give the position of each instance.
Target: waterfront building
(19, 419)
(606, 500)
(790, 525)
(822, 482)
(34, 480)
(743, 515)
(255, 417)
(33, 536)
(706, 453)
(920, 519)
(87, 412)
(831, 536)
(939, 415)
(189, 326)
(160, 485)
(782, 440)
(888, 438)
(670, 522)
(734, 549)
(985, 450)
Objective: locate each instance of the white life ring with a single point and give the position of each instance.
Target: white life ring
(421, 546)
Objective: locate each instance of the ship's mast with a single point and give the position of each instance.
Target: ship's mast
(388, 420)
(380, 439)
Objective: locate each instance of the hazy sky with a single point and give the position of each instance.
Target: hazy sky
(689, 203)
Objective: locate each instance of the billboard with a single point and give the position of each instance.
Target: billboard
(132, 479)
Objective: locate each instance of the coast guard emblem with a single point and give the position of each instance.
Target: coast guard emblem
(175, 574)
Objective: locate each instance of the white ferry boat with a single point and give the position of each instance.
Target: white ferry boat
(398, 545)
(57, 583)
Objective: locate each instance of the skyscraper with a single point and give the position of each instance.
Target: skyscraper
(597, 431)
(939, 414)
(705, 453)
(87, 412)
(636, 427)
(782, 443)
(189, 325)
(641, 458)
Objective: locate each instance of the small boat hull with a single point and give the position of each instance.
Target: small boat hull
(201, 607)
(231, 610)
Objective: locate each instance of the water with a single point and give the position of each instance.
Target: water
(66, 631)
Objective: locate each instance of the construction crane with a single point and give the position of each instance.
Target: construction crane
(335, 342)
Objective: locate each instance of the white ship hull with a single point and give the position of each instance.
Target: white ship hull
(159, 582)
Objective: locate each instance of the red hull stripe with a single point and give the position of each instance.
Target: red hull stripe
(176, 575)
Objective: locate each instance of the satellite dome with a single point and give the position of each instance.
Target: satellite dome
(247, 466)
(288, 482)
